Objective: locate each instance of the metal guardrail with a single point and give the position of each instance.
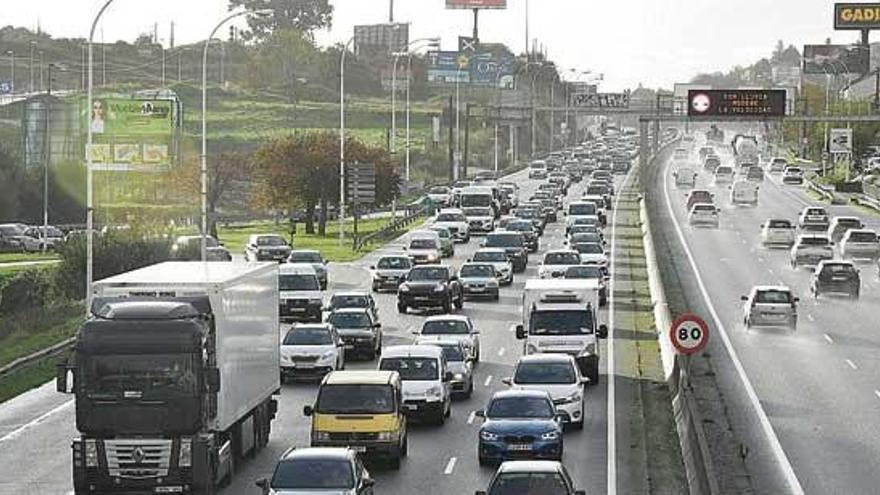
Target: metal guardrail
(30, 359)
(826, 193)
(394, 226)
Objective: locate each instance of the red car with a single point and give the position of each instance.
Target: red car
(699, 196)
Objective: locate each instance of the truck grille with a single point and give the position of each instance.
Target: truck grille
(138, 459)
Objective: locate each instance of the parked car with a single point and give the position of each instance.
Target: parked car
(34, 238)
(266, 247)
(11, 236)
(390, 271)
(430, 286)
(311, 351)
(313, 258)
(836, 277)
(305, 471)
(772, 306)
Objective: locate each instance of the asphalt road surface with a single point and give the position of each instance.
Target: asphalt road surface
(817, 385)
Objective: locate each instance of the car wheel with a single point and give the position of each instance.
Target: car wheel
(459, 304)
(401, 308)
(482, 460)
(496, 296)
(580, 424)
(470, 389)
(404, 449)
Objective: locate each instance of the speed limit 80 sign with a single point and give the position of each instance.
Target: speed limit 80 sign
(689, 334)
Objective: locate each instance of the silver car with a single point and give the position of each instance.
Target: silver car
(390, 271)
(498, 258)
(811, 249)
(860, 244)
(770, 306)
(313, 258)
(479, 280)
(266, 247)
(457, 362)
(453, 327)
(778, 232)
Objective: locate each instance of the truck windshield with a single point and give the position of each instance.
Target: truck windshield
(355, 399)
(142, 376)
(477, 211)
(412, 368)
(561, 322)
(298, 282)
(451, 217)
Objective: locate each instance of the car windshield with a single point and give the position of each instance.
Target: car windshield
(270, 240)
(477, 271)
(582, 237)
(816, 212)
(355, 399)
(397, 263)
(582, 209)
(349, 301)
(584, 271)
(584, 229)
(9, 230)
(308, 336)
(423, 244)
(773, 297)
(501, 240)
(586, 221)
(469, 200)
(520, 407)
(442, 232)
(561, 322)
(349, 320)
(779, 224)
(793, 170)
(723, 170)
(298, 282)
(313, 474)
(544, 373)
(427, 273)
(862, 237)
(588, 248)
(305, 257)
(478, 212)
(837, 270)
(520, 226)
(491, 256)
(445, 327)
(412, 368)
(704, 208)
(849, 223)
(451, 217)
(562, 259)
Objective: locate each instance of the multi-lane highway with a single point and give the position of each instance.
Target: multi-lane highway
(817, 385)
(441, 459)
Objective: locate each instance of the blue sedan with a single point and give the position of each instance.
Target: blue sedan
(520, 424)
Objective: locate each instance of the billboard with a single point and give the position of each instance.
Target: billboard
(448, 67)
(476, 4)
(131, 134)
(836, 59)
(487, 69)
(857, 16)
(381, 39)
(601, 100)
(736, 103)
(840, 141)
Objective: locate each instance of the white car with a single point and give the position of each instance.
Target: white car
(457, 361)
(860, 244)
(299, 293)
(498, 258)
(592, 253)
(793, 175)
(453, 327)
(811, 249)
(481, 219)
(440, 195)
(311, 351)
(455, 221)
(424, 247)
(724, 175)
(425, 380)
(557, 261)
(770, 306)
(777, 232)
(704, 214)
(580, 209)
(685, 177)
(558, 375)
(814, 218)
(600, 205)
(777, 164)
(841, 225)
(34, 238)
(744, 192)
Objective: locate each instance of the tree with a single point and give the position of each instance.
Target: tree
(280, 59)
(224, 172)
(303, 15)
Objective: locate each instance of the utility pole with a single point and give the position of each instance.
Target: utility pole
(42, 85)
(12, 69)
(467, 139)
(453, 172)
(476, 25)
(83, 87)
(31, 67)
(390, 11)
(528, 58)
(47, 157)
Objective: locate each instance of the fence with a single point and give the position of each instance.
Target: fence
(394, 227)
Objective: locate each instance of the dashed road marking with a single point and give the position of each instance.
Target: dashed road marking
(828, 338)
(501, 352)
(811, 318)
(471, 417)
(852, 364)
(488, 381)
(450, 466)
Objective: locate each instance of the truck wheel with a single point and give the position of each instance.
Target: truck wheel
(593, 374)
(401, 308)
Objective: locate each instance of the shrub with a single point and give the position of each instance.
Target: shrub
(26, 290)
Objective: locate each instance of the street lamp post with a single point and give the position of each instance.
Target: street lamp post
(12, 69)
(204, 157)
(457, 160)
(31, 67)
(342, 140)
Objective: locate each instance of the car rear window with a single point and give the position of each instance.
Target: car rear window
(773, 297)
(779, 224)
(837, 269)
(863, 237)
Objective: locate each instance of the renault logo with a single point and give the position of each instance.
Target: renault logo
(138, 455)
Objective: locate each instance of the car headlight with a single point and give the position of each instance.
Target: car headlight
(404, 288)
(320, 436)
(315, 302)
(488, 436)
(575, 397)
(432, 257)
(327, 355)
(439, 288)
(91, 453)
(492, 283)
(184, 458)
(550, 435)
(433, 392)
(458, 377)
(386, 436)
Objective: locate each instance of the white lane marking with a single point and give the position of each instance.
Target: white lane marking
(788, 471)
(501, 352)
(828, 338)
(760, 259)
(851, 364)
(450, 466)
(810, 317)
(18, 431)
(488, 381)
(611, 420)
(770, 271)
(877, 393)
(471, 417)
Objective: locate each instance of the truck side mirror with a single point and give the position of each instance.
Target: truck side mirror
(603, 331)
(62, 384)
(212, 380)
(520, 332)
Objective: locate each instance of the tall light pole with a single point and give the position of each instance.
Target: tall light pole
(42, 85)
(47, 147)
(12, 70)
(31, 67)
(433, 43)
(90, 214)
(342, 140)
(204, 157)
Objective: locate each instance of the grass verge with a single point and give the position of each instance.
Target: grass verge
(20, 257)
(22, 380)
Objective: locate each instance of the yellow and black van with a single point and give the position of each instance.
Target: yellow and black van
(362, 410)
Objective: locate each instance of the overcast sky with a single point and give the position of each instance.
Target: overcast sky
(653, 42)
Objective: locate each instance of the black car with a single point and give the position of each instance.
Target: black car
(515, 246)
(533, 215)
(836, 277)
(430, 286)
(527, 229)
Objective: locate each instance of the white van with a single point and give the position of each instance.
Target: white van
(425, 377)
(538, 170)
(424, 247)
(744, 192)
